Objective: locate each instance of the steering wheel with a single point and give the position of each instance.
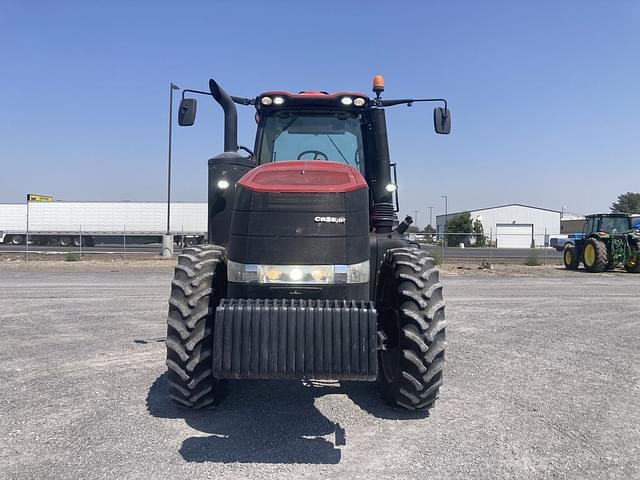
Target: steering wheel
(316, 155)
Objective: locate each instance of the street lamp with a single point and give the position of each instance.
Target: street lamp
(562, 212)
(172, 87)
(430, 216)
(446, 209)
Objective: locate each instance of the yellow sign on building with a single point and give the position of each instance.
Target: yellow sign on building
(33, 197)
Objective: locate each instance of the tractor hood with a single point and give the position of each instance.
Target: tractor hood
(302, 213)
(314, 176)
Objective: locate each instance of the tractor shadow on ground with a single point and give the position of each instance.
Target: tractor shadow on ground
(366, 396)
(256, 422)
(273, 422)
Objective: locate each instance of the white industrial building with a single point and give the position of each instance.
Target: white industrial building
(513, 225)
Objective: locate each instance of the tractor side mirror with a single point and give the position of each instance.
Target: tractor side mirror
(187, 112)
(442, 120)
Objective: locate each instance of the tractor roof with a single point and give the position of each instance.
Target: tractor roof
(623, 215)
(280, 99)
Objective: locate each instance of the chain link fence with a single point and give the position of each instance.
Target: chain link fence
(527, 249)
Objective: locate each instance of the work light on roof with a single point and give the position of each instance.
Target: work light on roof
(266, 101)
(278, 100)
(346, 100)
(359, 102)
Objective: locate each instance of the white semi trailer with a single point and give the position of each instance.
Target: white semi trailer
(91, 223)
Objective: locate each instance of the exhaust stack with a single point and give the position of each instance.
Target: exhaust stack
(230, 116)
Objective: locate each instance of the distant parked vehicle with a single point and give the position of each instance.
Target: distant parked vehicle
(93, 223)
(560, 242)
(608, 241)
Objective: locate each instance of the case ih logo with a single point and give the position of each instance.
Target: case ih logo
(329, 219)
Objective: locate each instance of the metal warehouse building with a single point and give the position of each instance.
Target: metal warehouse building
(513, 225)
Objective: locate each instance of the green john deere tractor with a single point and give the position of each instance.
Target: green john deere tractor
(608, 241)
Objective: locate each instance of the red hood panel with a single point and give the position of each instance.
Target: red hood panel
(303, 176)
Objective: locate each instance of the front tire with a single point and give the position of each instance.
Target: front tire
(411, 317)
(198, 285)
(570, 257)
(595, 256)
(632, 264)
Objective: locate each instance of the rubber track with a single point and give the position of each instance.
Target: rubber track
(422, 328)
(190, 325)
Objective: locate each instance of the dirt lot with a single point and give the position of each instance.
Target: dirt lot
(542, 381)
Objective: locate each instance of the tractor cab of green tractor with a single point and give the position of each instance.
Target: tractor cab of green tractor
(307, 273)
(608, 224)
(608, 241)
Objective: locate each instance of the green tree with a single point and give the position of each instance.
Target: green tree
(460, 224)
(429, 229)
(627, 203)
(413, 229)
(478, 230)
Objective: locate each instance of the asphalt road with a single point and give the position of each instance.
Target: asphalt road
(542, 381)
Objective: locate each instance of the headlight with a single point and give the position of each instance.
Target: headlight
(222, 184)
(358, 272)
(298, 274)
(391, 187)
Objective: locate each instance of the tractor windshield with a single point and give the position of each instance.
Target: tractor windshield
(614, 224)
(295, 135)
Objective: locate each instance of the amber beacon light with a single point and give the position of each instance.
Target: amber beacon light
(378, 84)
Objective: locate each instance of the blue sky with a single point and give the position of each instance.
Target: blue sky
(544, 95)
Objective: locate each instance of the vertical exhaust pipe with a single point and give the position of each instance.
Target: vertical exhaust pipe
(230, 116)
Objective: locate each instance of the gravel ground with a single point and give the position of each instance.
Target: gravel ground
(542, 381)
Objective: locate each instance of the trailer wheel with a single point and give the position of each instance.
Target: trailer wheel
(632, 264)
(15, 240)
(571, 258)
(199, 283)
(595, 256)
(411, 319)
(64, 241)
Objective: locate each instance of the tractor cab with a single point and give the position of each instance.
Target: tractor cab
(612, 224)
(311, 126)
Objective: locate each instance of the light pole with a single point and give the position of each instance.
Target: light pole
(430, 216)
(415, 218)
(446, 211)
(562, 212)
(172, 87)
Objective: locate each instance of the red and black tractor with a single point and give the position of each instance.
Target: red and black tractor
(306, 274)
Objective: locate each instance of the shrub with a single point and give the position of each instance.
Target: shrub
(533, 260)
(71, 257)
